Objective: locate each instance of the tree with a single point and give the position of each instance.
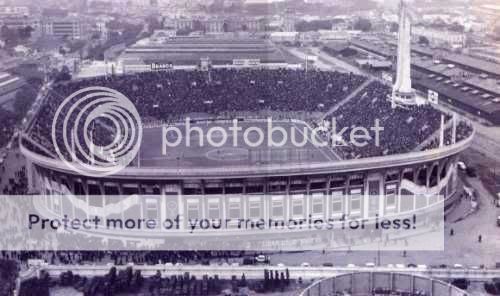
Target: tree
(394, 27)
(154, 24)
(198, 26)
(457, 27)
(316, 25)
(243, 281)
(423, 40)
(11, 36)
(23, 100)
(496, 32)
(112, 275)
(8, 275)
(184, 31)
(64, 74)
(363, 24)
(438, 23)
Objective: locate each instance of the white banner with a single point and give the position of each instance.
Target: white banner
(433, 96)
(242, 222)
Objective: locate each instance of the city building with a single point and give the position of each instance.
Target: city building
(14, 11)
(439, 38)
(20, 22)
(284, 37)
(68, 27)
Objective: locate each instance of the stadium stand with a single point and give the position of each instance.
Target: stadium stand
(169, 96)
(404, 128)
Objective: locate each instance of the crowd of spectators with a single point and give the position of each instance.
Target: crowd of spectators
(7, 126)
(463, 131)
(172, 95)
(403, 127)
(17, 185)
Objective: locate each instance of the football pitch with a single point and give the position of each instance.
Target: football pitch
(226, 143)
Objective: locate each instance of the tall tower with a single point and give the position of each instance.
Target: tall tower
(402, 92)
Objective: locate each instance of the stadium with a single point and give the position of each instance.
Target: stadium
(416, 156)
(405, 163)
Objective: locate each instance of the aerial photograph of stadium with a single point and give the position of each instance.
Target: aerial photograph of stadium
(250, 147)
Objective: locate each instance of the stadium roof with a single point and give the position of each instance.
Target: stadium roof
(337, 46)
(377, 48)
(490, 85)
(9, 83)
(443, 68)
(182, 51)
(482, 65)
(460, 59)
(457, 92)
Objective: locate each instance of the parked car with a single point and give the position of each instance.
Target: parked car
(498, 221)
(328, 264)
(370, 264)
(262, 259)
(461, 165)
(305, 264)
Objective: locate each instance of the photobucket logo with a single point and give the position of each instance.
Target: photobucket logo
(75, 137)
(269, 134)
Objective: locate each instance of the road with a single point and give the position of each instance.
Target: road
(320, 63)
(257, 272)
(330, 60)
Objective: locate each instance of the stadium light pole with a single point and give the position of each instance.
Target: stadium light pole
(306, 63)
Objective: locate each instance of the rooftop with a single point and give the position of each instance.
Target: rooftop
(457, 91)
(218, 50)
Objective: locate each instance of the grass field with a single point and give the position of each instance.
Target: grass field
(235, 148)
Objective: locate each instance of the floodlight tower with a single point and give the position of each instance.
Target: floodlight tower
(402, 91)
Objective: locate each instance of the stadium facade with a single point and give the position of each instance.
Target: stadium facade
(275, 191)
(271, 183)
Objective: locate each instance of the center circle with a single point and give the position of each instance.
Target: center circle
(228, 154)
